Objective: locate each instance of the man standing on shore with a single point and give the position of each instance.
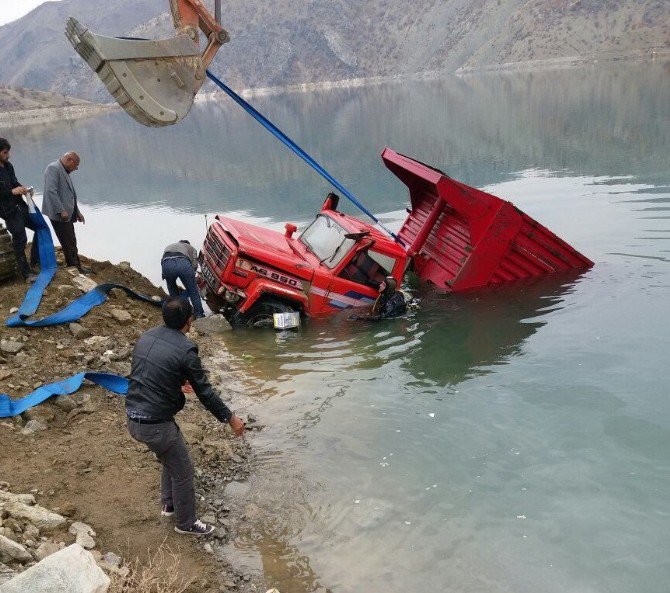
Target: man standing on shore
(60, 205)
(163, 360)
(14, 211)
(179, 262)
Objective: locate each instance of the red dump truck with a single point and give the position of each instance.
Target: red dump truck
(456, 237)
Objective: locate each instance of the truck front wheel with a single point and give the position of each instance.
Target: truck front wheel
(259, 314)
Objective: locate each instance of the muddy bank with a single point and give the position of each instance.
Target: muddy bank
(74, 453)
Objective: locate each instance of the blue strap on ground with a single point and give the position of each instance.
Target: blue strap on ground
(77, 308)
(277, 133)
(9, 408)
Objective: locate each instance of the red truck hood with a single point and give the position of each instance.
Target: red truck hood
(257, 242)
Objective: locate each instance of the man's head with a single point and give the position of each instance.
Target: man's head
(177, 312)
(4, 150)
(388, 285)
(70, 161)
(185, 241)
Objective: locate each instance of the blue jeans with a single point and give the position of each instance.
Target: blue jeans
(180, 268)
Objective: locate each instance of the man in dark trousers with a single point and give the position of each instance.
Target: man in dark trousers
(60, 205)
(179, 262)
(14, 211)
(163, 360)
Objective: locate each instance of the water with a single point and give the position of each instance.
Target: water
(510, 441)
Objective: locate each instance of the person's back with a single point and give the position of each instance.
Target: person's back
(157, 373)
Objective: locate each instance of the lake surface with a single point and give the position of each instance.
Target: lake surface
(509, 441)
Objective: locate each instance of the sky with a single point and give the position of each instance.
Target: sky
(15, 9)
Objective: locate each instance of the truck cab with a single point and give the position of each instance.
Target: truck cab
(248, 273)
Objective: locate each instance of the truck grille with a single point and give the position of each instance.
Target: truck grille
(217, 250)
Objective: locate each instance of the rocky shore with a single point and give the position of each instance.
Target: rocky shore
(72, 456)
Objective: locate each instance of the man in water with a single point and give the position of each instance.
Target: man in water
(391, 302)
(14, 211)
(163, 360)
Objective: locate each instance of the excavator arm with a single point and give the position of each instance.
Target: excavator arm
(155, 81)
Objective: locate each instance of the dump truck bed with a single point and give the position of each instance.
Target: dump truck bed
(462, 238)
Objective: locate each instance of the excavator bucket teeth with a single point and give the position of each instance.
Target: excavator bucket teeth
(154, 81)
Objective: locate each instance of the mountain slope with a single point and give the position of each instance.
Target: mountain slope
(286, 42)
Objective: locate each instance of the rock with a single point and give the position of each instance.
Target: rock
(5, 374)
(111, 558)
(46, 549)
(81, 398)
(97, 340)
(121, 316)
(6, 573)
(71, 570)
(41, 413)
(31, 532)
(10, 346)
(33, 426)
(79, 331)
(208, 518)
(236, 489)
(65, 403)
(40, 517)
(10, 551)
(22, 498)
(83, 534)
(83, 283)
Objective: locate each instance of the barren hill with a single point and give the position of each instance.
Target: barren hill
(286, 42)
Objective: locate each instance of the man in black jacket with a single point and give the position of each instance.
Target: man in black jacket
(163, 360)
(391, 302)
(14, 211)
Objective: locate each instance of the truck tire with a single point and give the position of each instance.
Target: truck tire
(260, 314)
(7, 260)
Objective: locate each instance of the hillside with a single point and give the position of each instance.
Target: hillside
(20, 99)
(282, 42)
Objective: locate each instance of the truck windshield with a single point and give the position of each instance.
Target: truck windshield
(326, 239)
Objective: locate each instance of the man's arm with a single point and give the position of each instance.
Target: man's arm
(17, 189)
(51, 195)
(197, 377)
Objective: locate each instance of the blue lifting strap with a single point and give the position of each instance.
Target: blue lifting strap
(110, 382)
(277, 133)
(72, 312)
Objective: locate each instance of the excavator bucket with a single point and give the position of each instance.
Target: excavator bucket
(462, 238)
(154, 81)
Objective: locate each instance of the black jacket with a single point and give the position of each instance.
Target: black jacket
(163, 360)
(391, 307)
(8, 182)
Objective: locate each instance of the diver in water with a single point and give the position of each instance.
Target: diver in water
(391, 302)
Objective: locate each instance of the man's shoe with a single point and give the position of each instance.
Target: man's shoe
(167, 511)
(198, 529)
(31, 277)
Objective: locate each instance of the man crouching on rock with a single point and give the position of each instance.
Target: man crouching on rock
(163, 360)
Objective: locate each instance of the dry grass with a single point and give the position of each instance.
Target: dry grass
(160, 574)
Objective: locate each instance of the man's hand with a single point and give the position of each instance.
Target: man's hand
(80, 218)
(64, 216)
(20, 191)
(237, 425)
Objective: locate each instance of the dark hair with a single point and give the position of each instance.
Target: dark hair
(4, 145)
(176, 312)
(185, 241)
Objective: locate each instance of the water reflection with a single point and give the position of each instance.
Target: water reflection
(449, 338)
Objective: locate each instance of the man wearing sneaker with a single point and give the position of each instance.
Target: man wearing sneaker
(163, 360)
(14, 211)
